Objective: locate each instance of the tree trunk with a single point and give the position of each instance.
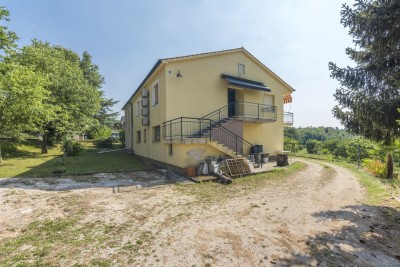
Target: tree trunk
(1, 157)
(389, 166)
(44, 143)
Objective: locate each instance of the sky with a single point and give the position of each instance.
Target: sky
(295, 39)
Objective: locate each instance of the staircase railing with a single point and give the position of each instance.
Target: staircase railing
(187, 127)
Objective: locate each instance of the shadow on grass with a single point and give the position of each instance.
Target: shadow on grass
(370, 237)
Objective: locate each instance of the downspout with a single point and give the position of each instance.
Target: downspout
(131, 123)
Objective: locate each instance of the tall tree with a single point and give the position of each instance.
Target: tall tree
(73, 99)
(370, 91)
(22, 92)
(7, 38)
(22, 100)
(105, 115)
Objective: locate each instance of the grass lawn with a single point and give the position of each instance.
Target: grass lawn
(26, 161)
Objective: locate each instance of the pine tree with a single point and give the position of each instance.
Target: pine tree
(369, 93)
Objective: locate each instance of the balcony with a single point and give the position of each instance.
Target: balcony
(254, 112)
(288, 118)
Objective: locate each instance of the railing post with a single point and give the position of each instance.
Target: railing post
(181, 129)
(258, 111)
(210, 130)
(201, 134)
(236, 150)
(170, 130)
(219, 115)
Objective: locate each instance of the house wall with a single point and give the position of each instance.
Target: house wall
(201, 90)
(198, 92)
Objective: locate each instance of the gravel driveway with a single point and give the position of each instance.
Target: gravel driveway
(316, 216)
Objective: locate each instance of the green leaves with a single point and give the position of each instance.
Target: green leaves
(370, 92)
(22, 99)
(7, 37)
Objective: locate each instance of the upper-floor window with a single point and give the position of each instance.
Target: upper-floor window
(155, 94)
(138, 107)
(241, 70)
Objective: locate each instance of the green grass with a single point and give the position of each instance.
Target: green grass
(28, 162)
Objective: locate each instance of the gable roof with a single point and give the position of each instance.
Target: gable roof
(174, 59)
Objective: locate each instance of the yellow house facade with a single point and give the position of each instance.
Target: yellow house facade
(224, 103)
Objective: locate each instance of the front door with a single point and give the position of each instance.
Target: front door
(231, 102)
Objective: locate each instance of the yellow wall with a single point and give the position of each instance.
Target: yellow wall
(200, 91)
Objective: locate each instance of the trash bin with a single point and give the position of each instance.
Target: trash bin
(265, 157)
(282, 160)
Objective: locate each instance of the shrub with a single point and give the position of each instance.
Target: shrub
(99, 132)
(8, 149)
(103, 142)
(71, 147)
(292, 145)
(375, 167)
(313, 146)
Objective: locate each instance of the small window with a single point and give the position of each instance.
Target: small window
(170, 151)
(137, 108)
(144, 135)
(156, 133)
(241, 70)
(138, 136)
(155, 96)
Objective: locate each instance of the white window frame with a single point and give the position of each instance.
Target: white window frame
(153, 94)
(138, 108)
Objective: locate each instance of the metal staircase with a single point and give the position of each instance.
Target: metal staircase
(210, 129)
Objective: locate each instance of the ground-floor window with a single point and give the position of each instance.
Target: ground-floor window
(144, 135)
(138, 136)
(156, 133)
(170, 151)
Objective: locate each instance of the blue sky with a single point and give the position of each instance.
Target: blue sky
(296, 39)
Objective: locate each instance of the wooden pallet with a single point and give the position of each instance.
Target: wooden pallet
(236, 167)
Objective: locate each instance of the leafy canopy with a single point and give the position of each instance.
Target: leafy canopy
(369, 93)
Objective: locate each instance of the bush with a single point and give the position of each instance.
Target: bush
(99, 132)
(375, 167)
(292, 145)
(8, 149)
(103, 142)
(71, 147)
(313, 146)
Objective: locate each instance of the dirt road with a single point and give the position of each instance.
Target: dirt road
(315, 216)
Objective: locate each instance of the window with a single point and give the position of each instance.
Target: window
(138, 136)
(155, 95)
(156, 133)
(241, 70)
(269, 100)
(170, 151)
(137, 108)
(144, 135)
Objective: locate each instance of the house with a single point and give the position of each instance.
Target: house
(224, 103)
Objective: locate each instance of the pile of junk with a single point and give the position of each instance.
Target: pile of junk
(225, 169)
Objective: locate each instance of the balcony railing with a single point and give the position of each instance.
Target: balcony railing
(288, 118)
(242, 110)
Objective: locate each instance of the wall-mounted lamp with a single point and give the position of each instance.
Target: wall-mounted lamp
(178, 75)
